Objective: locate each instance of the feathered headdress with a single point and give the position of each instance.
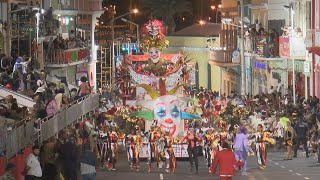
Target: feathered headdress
(153, 36)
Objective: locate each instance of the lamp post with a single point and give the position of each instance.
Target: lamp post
(243, 63)
(134, 11)
(137, 26)
(292, 53)
(216, 10)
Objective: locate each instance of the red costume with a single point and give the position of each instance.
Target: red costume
(226, 161)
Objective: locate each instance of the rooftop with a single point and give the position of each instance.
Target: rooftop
(197, 30)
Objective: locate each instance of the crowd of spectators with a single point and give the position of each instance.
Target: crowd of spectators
(74, 41)
(48, 97)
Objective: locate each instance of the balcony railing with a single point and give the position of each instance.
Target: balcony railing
(312, 38)
(221, 56)
(30, 130)
(82, 5)
(68, 56)
(262, 45)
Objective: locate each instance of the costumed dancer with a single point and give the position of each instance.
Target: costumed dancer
(213, 147)
(113, 150)
(262, 138)
(133, 140)
(289, 137)
(223, 136)
(104, 142)
(192, 140)
(171, 162)
(154, 137)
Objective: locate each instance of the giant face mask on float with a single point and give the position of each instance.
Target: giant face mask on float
(154, 54)
(167, 114)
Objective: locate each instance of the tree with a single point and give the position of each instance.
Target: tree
(166, 10)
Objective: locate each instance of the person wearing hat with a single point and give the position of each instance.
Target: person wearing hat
(8, 174)
(33, 169)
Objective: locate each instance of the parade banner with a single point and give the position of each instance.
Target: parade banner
(180, 150)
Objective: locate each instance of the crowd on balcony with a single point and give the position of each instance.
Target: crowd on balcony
(264, 42)
(48, 97)
(261, 41)
(74, 41)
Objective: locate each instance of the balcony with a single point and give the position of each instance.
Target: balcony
(24, 133)
(223, 58)
(81, 5)
(68, 57)
(312, 41)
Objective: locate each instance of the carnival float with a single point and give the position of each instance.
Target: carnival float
(155, 92)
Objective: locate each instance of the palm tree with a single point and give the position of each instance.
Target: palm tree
(166, 10)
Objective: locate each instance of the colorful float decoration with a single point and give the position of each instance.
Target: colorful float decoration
(156, 84)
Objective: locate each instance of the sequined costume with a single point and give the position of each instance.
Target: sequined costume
(171, 162)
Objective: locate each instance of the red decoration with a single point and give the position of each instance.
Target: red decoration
(156, 23)
(162, 87)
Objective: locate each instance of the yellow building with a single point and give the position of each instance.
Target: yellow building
(196, 42)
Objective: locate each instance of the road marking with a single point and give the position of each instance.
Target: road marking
(277, 163)
(283, 167)
(161, 176)
(298, 174)
(306, 178)
(290, 171)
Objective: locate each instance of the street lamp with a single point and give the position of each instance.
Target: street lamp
(202, 22)
(291, 13)
(133, 11)
(137, 26)
(214, 8)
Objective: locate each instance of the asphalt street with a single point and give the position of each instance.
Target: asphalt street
(277, 169)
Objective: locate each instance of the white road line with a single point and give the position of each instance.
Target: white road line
(283, 167)
(306, 178)
(298, 174)
(290, 171)
(277, 163)
(161, 176)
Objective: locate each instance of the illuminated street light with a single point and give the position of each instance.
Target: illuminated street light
(137, 26)
(202, 22)
(216, 9)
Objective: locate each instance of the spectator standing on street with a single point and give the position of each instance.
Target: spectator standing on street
(88, 162)
(69, 155)
(226, 161)
(301, 129)
(33, 169)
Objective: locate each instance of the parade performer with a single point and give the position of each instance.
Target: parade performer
(262, 138)
(289, 137)
(211, 146)
(113, 138)
(192, 140)
(226, 161)
(104, 142)
(154, 138)
(241, 148)
(133, 142)
(223, 136)
(171, 162)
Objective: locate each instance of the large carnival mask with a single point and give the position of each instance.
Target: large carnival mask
(167, 114)
(154, 54)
